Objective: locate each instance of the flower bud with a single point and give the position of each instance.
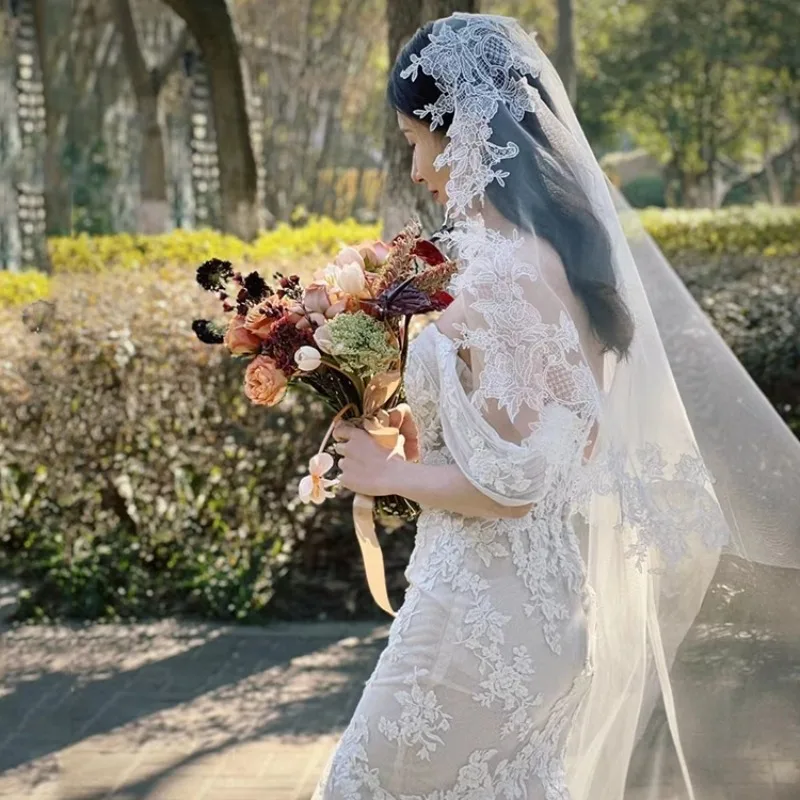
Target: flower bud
(308, 358)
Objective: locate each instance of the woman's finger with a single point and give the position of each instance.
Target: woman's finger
(342, 432)
(341, 448)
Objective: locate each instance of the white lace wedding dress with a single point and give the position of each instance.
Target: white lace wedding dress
(488, 657)
(529, 653)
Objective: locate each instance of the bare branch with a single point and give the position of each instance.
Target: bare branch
(164, 70)
(137, 66)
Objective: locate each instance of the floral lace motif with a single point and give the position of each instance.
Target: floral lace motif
(478, 66)
(421, 718)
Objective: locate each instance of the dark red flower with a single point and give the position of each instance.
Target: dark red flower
(283, 341)
(441, 300)
(428, 252)
(208, 332)
(214, 273)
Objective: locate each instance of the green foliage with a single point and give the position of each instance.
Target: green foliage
(689, 80)
(757, 230)
(645, 192)
(135, 478)
(754, 302)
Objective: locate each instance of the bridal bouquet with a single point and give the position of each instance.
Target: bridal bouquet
(344, 335)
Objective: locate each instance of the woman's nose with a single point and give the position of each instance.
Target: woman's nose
(415, 175)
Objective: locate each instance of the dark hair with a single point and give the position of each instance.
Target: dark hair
(549, 194)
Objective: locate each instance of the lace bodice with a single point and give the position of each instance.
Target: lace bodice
(541, 548)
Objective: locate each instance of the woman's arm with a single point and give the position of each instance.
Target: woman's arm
(445, 487)
(368, 468)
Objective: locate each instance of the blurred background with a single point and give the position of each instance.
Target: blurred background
(149, 513)
(140, 137)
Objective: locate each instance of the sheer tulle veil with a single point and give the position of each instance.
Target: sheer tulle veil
(690, 462)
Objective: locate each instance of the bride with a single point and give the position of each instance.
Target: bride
(569, 527)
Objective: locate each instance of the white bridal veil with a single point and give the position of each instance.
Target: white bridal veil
(646, 431)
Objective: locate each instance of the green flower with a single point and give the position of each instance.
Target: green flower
(359, 343)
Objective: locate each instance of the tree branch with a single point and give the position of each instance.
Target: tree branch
(137, 67)
(164, 70)
(752, 177)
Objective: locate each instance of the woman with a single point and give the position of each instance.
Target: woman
(562, 489)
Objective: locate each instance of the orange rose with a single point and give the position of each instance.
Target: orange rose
(239, 340)
(264, 383)
(259, 323)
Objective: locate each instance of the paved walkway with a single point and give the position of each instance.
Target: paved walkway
(173, 710)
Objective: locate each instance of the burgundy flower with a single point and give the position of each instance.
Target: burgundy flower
(256, 288)
(213, 274)
(283, 341)
(208, 332)
(428, 252)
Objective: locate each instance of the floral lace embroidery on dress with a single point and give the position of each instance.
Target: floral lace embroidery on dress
(448, 542)
(534, 370)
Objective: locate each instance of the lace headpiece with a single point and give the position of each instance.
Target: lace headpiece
(479, 64)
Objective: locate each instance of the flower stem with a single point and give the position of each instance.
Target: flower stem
(354, 379)
(335, 420)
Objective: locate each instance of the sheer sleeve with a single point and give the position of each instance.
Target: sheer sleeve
(522, 419)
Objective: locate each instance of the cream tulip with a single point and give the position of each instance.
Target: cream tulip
(351, 279)
(308, 358)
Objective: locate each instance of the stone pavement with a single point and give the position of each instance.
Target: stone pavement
(177, 710)
(174, 710)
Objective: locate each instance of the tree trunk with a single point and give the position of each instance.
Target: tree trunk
(795, 168)
(154, 214)
(57, 201)
(402, 199)
(212, 26)
(566, 59)
(436, 9)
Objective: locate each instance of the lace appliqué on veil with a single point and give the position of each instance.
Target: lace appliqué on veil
(478, 70)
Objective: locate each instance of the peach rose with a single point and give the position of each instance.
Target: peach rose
(259, 323)
(264, 383)
(239, 340)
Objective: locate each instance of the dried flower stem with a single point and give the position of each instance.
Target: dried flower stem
(355, 379)
(334, 421)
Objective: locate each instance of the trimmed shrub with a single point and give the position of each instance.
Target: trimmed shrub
(645, 192)
(19, 288)
(137, 481)
(740, 230)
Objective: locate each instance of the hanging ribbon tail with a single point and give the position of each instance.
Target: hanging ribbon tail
(371, 551)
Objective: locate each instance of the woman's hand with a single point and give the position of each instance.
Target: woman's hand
(366, 467)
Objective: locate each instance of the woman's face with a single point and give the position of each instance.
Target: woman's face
(426, 145)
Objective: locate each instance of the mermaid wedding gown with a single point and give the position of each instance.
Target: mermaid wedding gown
(529, 653)
(488, 657)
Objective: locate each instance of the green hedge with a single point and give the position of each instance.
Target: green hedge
(136, 481)
(750, 230)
